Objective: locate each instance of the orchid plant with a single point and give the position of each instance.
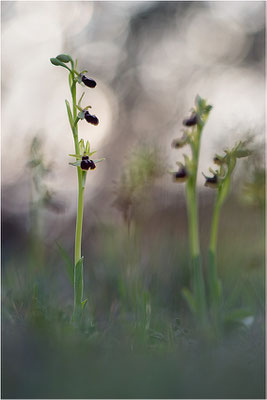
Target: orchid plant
(83, 163)
(187, 172)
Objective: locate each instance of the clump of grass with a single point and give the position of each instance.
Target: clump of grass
(40, 198)
(83, 164)
(144, 166)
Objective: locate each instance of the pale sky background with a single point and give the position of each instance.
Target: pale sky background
(149, 65)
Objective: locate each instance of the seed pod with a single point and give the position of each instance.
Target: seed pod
(88, 82)
(181, 175)
(92, 119)
(191, 121)
(212, 182)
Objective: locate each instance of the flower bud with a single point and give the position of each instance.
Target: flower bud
(191, 121)
(64, 58)
(181, 175)
(92, 119)
(242, 153)
(212, 182)
(57, 62)
(88, 82)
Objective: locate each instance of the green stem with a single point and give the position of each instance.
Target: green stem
(79, 223)
(213, 281)
(215, 225)
(192, 210)
(78, 286)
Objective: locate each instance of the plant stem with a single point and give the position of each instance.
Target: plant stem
(213, 281)
(214, 225)
(78, 286)
(79, 222)
(214, 284)
(192, 210)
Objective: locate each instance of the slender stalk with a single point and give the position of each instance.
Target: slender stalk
(78, 275)
(213, 281)
(214, 284)
(192, 210)
(79, 223)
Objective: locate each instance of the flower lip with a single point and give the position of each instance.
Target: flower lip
(87, 164)
(85, 158)
(88, 82)
(92, 119)
(191, 121)
(93, 166)
(181, 175)
(212, 181)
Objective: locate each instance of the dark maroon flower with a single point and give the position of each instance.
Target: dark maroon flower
(181, 175)
(191, 121)
(212, 181)
(92, 119)
(88, 81)
(93, 166)
(87, 164)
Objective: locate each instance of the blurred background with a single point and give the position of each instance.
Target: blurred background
(150, 59)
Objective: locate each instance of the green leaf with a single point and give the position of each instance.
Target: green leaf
(76, 155)
(78, 283)
(87, 148)
(83, 303)
(69, 112)
(75, 164)
(190, 300)
(68, 262)
(242, 153)
(237, 315)
(79, 102)
(64, 58)
(99, 160)
(81, 146)
(58, 63)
